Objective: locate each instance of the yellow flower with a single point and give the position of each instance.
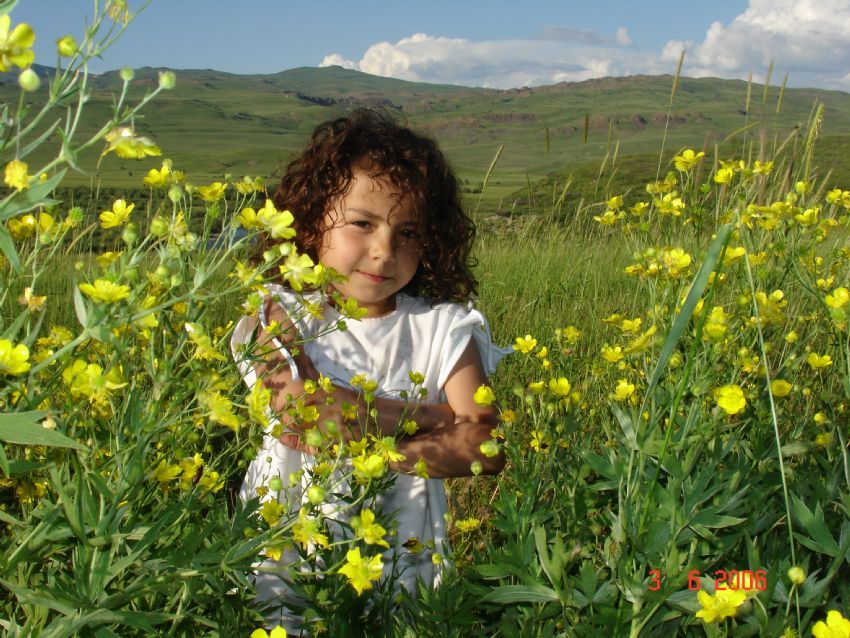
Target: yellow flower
(23, 227)
(687, 159)
(127, 145)
(770, 307)
(642, 343)
(258, 402)
(484, 396)
(818, 361)
(298, 270)
(836, 626)
(724, 175)
(839, 298)
(271, 511)
(276, 223)
(165, 472)
(631, 325)
(16, 172)
(33, 302)
(365, 527)
(560, 386)
(67, 46)
(675, 260)
(730, 398)
(808, 217)
(15, 47)
(525, 344)
(612, 354)
(780, 388)
(247, 218)
(716, 326)
(307, 531)
(159, 178)
(368, 466)
(624, 390)
(570, 334)
(105, 291)
(723, 604)
(119, 214)
(212, 193)
(360, 571)
(467, 525)
(762, 168)
(277, 632)
(14, 360)
(537, 387)
(219, 409)
(540, 441)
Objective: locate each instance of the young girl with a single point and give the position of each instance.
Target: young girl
(380, 205)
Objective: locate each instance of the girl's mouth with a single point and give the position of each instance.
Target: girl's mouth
(374, 278)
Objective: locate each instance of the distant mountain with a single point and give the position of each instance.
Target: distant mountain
(214, 123)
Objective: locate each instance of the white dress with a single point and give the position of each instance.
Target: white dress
(413, 338)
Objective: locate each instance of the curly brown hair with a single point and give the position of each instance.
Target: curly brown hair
(415, 165)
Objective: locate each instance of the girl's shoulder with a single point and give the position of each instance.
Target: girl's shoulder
(434, 309)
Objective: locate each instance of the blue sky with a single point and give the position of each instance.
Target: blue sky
(474, 42)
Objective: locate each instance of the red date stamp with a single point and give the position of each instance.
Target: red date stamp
(732, 579)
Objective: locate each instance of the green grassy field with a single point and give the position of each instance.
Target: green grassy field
(675, 410)
(215, 123)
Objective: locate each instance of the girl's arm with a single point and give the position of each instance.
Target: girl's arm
(449, 449)
(449, 433)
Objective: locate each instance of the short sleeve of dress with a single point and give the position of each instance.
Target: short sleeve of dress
(466, 325)
(244, 337)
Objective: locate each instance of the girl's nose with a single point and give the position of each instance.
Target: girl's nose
(382, 248)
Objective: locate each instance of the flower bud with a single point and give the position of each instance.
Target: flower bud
(316, 495)
(476, 468)
(127, 74)
(796, 575)
(131, 234)
(29, 80)
(275, 484)
(167, 80)
(175, 194)
(159, 227)
(67, 46)
(314, 437)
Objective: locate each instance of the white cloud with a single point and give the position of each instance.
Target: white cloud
(808, 39)
(554, 55)
(335, 59)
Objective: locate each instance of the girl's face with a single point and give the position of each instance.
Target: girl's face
(371, 237)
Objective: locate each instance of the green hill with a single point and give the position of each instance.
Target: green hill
(214, 123)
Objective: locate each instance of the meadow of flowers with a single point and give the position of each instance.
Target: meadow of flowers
(676, 433)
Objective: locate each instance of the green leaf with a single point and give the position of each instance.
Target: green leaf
(508, 594)
(80, 306)
(815, 526)
(493, 571)
(7, 246)
(23, 428)
(685, 600)
(32, 197)
(708, 518)
(6, 6)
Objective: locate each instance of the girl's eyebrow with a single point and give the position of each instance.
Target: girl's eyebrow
(367, 213)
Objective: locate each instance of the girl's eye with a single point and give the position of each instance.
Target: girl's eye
(410, 234)
(361, 224)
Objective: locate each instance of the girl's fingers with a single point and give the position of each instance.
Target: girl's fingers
(294, 441)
